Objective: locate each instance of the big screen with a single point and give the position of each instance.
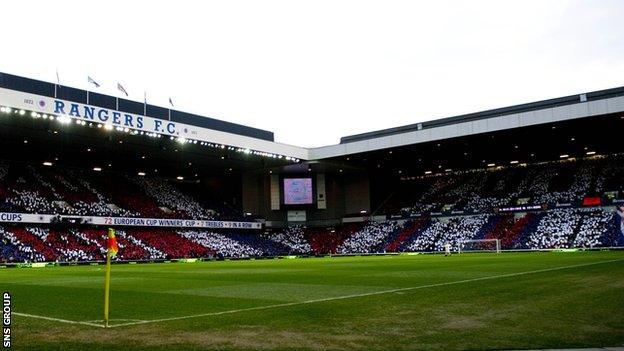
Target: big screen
(298, 191)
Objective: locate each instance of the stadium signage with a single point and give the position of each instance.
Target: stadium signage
(9, 217)
(115, 118)
(128, 122)
(521, 208)
(6, 320)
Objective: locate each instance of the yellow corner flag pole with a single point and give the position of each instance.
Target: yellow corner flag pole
(111, 237)
(107, 288)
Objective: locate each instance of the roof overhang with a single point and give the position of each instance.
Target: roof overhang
(548, 115)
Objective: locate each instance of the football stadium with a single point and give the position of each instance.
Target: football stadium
(129, 226)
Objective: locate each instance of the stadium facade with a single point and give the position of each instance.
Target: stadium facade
(114, 148)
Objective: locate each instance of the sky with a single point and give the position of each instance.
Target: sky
(313, 71)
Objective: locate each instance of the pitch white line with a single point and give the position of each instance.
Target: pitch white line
(117, 320)
(57, 319)
(288, 304)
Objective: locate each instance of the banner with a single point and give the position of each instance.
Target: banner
(9, 217)
(296, 216)
(521, 208)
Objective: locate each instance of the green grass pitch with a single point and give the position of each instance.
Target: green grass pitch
(431, 302)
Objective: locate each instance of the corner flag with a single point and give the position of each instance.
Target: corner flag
(111, 245)
(111, 251)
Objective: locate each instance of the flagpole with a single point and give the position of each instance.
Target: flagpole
(107, 288)
(170, 103)
(107, 279)
(57, 85)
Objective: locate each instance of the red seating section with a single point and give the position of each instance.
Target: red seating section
(171, 243)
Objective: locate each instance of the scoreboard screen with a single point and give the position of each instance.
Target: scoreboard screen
(298, 191)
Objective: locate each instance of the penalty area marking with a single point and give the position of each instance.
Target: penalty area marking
(288, 304)
(57, 319)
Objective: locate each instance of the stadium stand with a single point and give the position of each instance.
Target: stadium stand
(221, 244)
(397, 241)
(369, 237)
(450, 208)
(294, 238)
(170, 243)
(55, 190)
(480, 191)
(326, 240)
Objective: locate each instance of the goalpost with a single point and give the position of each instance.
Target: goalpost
(480, 245)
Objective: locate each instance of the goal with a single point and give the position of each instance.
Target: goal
(480, 245)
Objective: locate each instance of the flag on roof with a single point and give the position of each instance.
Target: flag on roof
(121, 88)
(92, 81)
(171, 102)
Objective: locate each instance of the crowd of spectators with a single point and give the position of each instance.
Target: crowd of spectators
(13, 250)
(133, 248)
(327, 240)
(221, 244)
(293, 237)
(170, 243)
(467, 199)
(66, 246)
(482, 191)
(594, 225)
(560, 228)
(55, 191)
(453, 231)
(555, 230)
(410, 229)
(369, 237)
(167, 195)
(102, 206)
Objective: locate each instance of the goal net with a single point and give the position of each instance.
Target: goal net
(480, 245)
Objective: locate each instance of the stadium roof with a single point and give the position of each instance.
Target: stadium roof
(504, 111)
(574, 107)
(42, 88)
(415, 138)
